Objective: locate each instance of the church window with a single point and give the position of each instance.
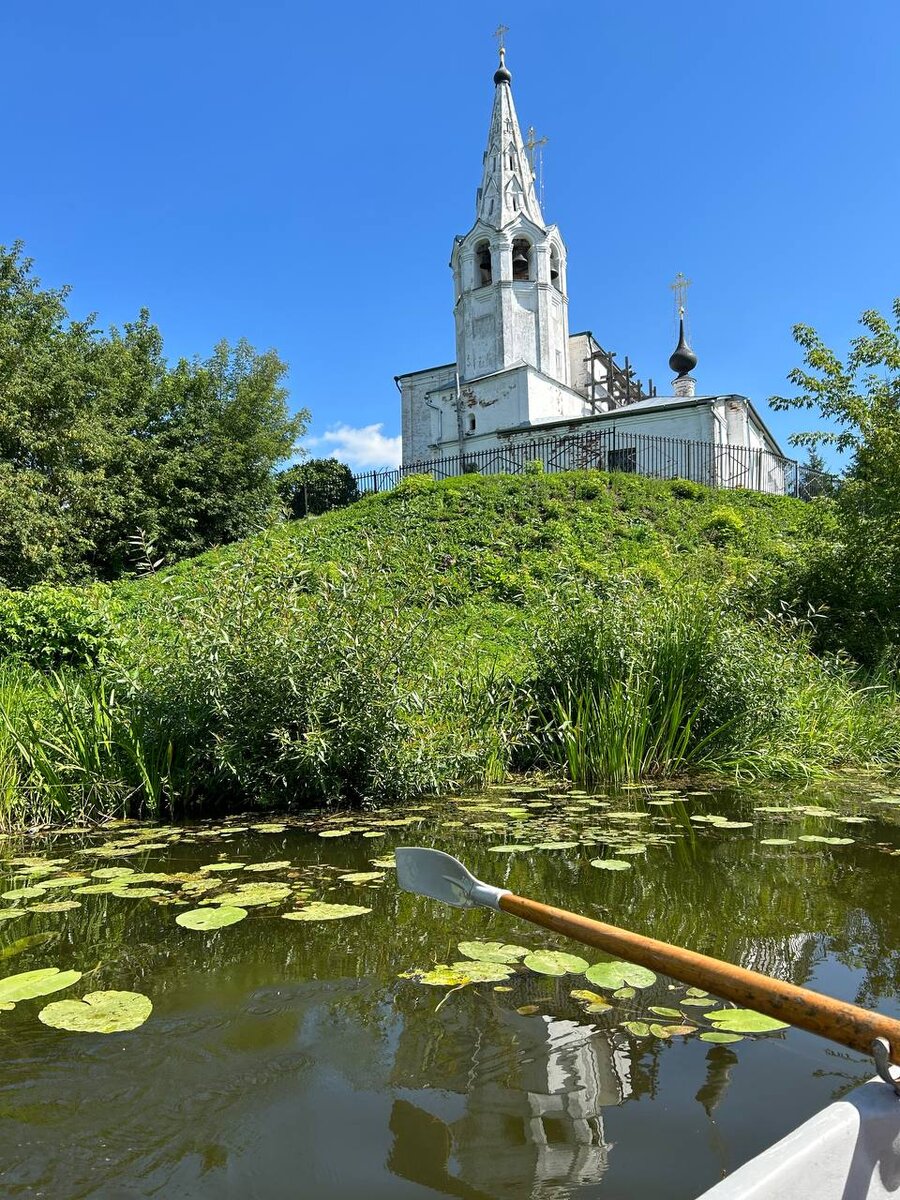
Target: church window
(554, 268)
(521, 259)
(512, 162)
(471, 423)
(483, 271)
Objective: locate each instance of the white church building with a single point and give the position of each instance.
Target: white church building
(522, 382)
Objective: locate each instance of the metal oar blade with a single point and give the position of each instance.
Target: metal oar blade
(442, 877)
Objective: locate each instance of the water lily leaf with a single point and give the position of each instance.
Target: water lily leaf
(223, 866)
(698, 1002)
(112, 872)
(210, 918)
(98, 889)
(511, 849)
(618, 973)
(7, 914)
(610, 864)
(332, 833)
(250, 895)
(502, 988)
(26, 943)
(695, 991)
(320, 911)
(269, 827)
(6, 1006)
(719, 1037)
(383, 863)
(555, 962)
(137, 893)
(440, 976)
(30, 984)
(99, 1012)
(637, 1028)
(479, 971)
(260, 868)
(744, 1020)
(734, 824)
(660, 1031)
(681, 1030)
(494, 952)
(594, 1001)
(555, 845)
(25, 893)
(664, 1012)
(528, 1010)
(374, 833)
(361, 877)
(777, 841)
(809, 837)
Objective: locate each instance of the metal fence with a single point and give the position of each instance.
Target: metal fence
(614, 450)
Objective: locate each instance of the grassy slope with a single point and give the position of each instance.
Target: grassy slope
(485, 544)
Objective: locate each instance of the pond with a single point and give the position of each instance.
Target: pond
(290, 1057)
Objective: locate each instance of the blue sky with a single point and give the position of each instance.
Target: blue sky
(295, 174)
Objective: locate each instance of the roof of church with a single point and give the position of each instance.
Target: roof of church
(507, 183)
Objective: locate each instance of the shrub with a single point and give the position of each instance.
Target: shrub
(51, 627)
(317, 486)
(724, 525)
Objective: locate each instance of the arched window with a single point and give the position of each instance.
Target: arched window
(521, 259)
(471, 422)
(555, 278)
(483, 271)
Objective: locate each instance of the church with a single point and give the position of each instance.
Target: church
(521, 378)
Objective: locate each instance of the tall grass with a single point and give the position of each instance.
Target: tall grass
(638, 683)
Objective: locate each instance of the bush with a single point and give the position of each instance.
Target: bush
(51, 627)
(317, 486)
(724, 525)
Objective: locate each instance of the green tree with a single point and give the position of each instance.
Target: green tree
(317, 486)
(101, 439)
(860, 397)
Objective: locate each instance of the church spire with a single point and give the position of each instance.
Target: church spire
(507, 185)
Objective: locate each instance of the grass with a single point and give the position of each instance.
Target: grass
(434, 637)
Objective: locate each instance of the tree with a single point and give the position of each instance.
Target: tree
(862, 398)
(815, 478)
(101, 439)
(316, 486)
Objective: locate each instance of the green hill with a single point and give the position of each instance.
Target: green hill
(438, 635)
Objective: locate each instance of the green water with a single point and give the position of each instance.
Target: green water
(288, 1059)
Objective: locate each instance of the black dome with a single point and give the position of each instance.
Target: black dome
(684, 359)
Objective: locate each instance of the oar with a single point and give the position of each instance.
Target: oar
(442, 877)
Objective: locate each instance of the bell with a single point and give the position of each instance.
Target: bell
(520, 263)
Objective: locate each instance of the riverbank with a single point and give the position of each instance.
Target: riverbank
(439, 636)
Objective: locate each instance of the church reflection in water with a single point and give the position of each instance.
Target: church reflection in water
(520, 1108)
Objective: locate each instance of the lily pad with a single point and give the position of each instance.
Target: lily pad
(359, 877)
(260, 868)
(593, 1001)
(511, 849)
(250, 895)
(478, 971)
(494, 952)
(637, 1028)
(528, 1010)
(25, 893)
(112, 872)
(30, 984)
(777, 841)
(814, 837)
(99, 1012)
(26, 943)
(320, 911)
(719, 1037)
(555, 962)
(698, 1002)
(7, 914)
(611, 864)
(744, 1020)
(618, 973)
(555, 845)
(223, 866)
(440, 976)
(210, 918)
(138, 893)
(269, 827)
(664, 1012)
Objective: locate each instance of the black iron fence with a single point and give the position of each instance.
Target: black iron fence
(614, 450)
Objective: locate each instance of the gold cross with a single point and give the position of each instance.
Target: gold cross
(680, 288)
(498, 34)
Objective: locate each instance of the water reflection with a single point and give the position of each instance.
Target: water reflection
(520, 1114)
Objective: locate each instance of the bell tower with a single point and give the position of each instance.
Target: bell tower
(509, 270)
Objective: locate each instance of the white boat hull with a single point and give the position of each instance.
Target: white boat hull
(848, 1151)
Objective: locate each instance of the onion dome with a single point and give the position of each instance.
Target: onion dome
(502, 75)
(684, 359)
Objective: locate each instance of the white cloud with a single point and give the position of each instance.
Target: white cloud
(364, 449)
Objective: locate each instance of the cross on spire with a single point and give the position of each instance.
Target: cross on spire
(532, 143)
(498, 34)
(680, 288)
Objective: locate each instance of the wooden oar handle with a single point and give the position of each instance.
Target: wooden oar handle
(844, 1023)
